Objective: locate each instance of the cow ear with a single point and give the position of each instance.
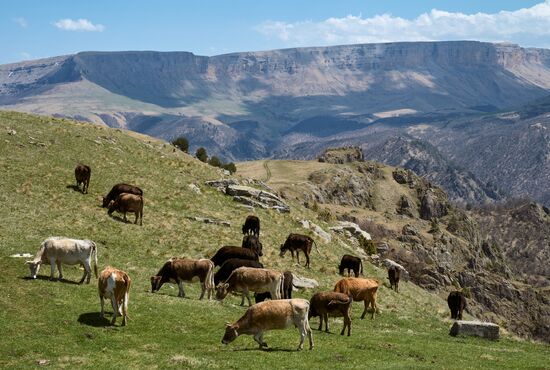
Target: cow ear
(226, 285)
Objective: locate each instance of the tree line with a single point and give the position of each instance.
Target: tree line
(183, 144)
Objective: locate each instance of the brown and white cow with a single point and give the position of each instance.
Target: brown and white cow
(126, 202)
(114, 284)
(82, 175)
(325, 304)
(60, 250)
(360, 290)
(272, 315)
(297, 243)
(247, 279)
(177, 270)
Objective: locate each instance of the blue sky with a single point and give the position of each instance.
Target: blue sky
(36, 29)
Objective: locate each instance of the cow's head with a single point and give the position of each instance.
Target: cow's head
(230, 333)
(283, 251)
(34, 267)
(221, 291)
(105, 202)
(156, 283)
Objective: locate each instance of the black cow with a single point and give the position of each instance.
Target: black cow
(231, 264)
(394, 273)
(298, 242)
(352, 263)
(228, 252)
(251, 225)
(253, 242)
(457, 304)
(119, 189)
(82, 175)
(287, 289)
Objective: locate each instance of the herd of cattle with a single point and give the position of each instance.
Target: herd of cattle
(239, 271)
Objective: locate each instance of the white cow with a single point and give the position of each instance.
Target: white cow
(59, 250)
(114, 284)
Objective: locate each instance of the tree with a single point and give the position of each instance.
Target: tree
(230, 167)
(215, 161)
(181, 143)
(201, 154)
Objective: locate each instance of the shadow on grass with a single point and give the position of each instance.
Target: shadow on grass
(41, 277)
(74, 187)
(93, 319)
(265, 349)
(120, 219)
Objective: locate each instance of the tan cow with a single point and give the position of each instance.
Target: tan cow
(360, 290)
(271, 315)
(126, 202)
(177, 270)
(114, 284)
(325, 304)
(59, 250)
(253, 279)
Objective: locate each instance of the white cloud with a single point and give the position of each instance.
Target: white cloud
(24, 55)
(22, 22)
(78, 25)
(527, 26)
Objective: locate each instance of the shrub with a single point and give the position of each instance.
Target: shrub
(201, 154)
(230, 167)
(325, 215)
(181, 143)
(368, 245)
(434, 226)
(215, 161)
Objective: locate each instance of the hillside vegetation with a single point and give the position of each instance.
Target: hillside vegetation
(57, 323)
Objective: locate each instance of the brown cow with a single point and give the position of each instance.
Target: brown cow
(253, 242)
(360, 290)
(457, 303)
(82, 174)
(177, 270)
(350, 262)
(252, 279)
(225, 253)
(325, 304)
(298, 242)
(394, 273)
(114, 284)
(119, 189)
(251, 225)
(128, 203)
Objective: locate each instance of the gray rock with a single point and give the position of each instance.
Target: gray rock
(409, 229)
(390, 263)
(195, 188)
(207, 220)
(301, 282)
(316, 229)
(12, 132)
(475, 328)
(221, 184)
(354, 229)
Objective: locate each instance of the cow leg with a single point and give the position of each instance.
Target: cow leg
(365, 310)
(459, 313)
(203, 289)
(137, 216)
(326, 322)
(307, 260)
(115, 308)
(102, 312)
(125, 219)
(320, 322)
(181, 292)
(246, 293)
(59, 270)
(259, 338)
(125, 308)
(87, 273)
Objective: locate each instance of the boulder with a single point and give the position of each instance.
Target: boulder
(354, 229)
(316, 229)
(475, 328)
(301, 282)
(221, 184)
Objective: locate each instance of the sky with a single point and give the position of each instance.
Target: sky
(33, 29)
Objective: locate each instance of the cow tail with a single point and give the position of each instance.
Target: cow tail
(209, 283)
(315, 244)
(94, 252)
(281, 286)
(360, 267)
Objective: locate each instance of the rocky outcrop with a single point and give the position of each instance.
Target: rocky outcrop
(207, 220)
(433, 204)
(316, 229)
(342, 155)
(475, 328)
(351, 230)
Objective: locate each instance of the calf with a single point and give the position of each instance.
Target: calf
(231, 265)
(351, 263)
(287, 289)
(394, 273)
(298, 242)
(360, 290)
(82, 174)
(128, 203)
(252, 279)
(272, 315)
(228, 252)
(251, 225)
(253, 242)
(114, 284)
(119, 189)
(177, 270)
(325, 304)
(457, 303)
(59, 250)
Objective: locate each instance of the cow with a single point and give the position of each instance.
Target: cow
(60, 250)
(119, 189)
(252, 279)
(298, 242)
(287, 289)
(177, 270)
(457, 303)
(251, 225)
(272, 315)
(82, 174)
(394, 273)
(126, 202)
(232, 264)
(253, 242)
(325, 304)
(360, 290)
(350, 262)
(228, 252)
(114, 284)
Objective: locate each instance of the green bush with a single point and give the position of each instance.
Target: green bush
(201, 154)
(181, 143)
(368, 245)
(215, 161)
(325, 215)
(230, 167)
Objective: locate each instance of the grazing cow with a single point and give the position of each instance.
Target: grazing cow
(287, 289)
(128, 203)
(114, 284)
(225, 253)
(298, 242)
(252, 279)
(394, 273)
(59, 250)
(325, 304)
(177, 270)
(253, 242)
(251, 225)
(457, 303)
(272, 315)
(119, 189)
(360, 290)
(351, 263)
(82, 174)
(232, 264)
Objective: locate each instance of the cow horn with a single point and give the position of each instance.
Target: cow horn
(227, 323)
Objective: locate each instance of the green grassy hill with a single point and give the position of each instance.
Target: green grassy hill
(57, 322)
